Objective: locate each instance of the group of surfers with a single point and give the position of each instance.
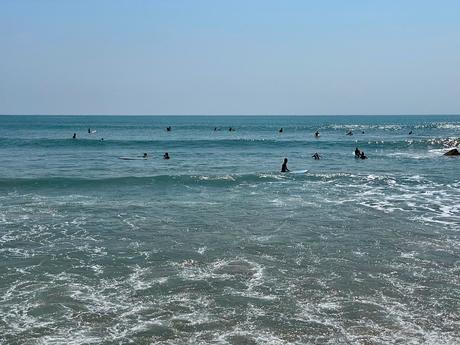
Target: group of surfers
(358, 154)
(165, 156)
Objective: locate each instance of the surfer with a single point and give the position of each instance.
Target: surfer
(74, 136)
(284, 167)
(166, 155)
(89, 130)
(357, 153)
(316, 156)
(350, 132)
(144, 156)
(317, 134)
(168, 129)
(363, 156)
(410, 132)
(281, 130)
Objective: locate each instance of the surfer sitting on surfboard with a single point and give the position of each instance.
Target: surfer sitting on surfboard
(357, 153)
(284, 167)
(316, 156)
(166, 155)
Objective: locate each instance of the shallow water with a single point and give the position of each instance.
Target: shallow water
(215, 246)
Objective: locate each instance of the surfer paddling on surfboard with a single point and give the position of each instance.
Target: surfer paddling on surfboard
(143, 157)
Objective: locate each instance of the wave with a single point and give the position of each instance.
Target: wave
(165, 181)
(219, 143)
(158, 180)
(197, 143)
(391, 127)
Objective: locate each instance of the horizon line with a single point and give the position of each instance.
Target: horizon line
(217, 115)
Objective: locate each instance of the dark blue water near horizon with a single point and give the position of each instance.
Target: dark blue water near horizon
(215, 245)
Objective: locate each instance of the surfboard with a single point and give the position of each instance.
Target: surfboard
(132, 158)
(299, 171)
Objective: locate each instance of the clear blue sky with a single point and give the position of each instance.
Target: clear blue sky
(229, 57)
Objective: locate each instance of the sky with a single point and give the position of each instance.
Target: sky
(234, 57)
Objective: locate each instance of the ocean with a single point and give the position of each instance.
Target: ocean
(215, 245)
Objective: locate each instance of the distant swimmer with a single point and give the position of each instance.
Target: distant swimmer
(350, 132)
(316, 156)
(357, 153)
(168, 129)
(317, 134)
(215, 129)
(281, 130)
(144, 155)
(231, 129)
(362, 132)
(410, 132)
(363, 156)
(166, 155)
(102, 139)
(74, 136)
(284, 167)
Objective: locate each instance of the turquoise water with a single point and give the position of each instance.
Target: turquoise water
(215, 245)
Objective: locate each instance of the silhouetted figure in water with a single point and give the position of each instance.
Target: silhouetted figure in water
(281, 130)
(410, 132)
(317, 134)
(144, 156)
(363, 156)
(89, 130)
(74, 136)
(350, 132)
(166, 155)
(102, 139)
(231, 129)
(168, 129)
(316, 156)
(284, 167)
(357, 153)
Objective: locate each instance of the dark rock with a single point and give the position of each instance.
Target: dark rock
(453, 152)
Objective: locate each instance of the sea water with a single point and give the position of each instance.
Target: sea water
(215, 245)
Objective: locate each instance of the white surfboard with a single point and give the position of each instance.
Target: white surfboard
(132, 158)
(299, 172)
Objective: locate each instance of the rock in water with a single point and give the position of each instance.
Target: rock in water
(453, 152)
